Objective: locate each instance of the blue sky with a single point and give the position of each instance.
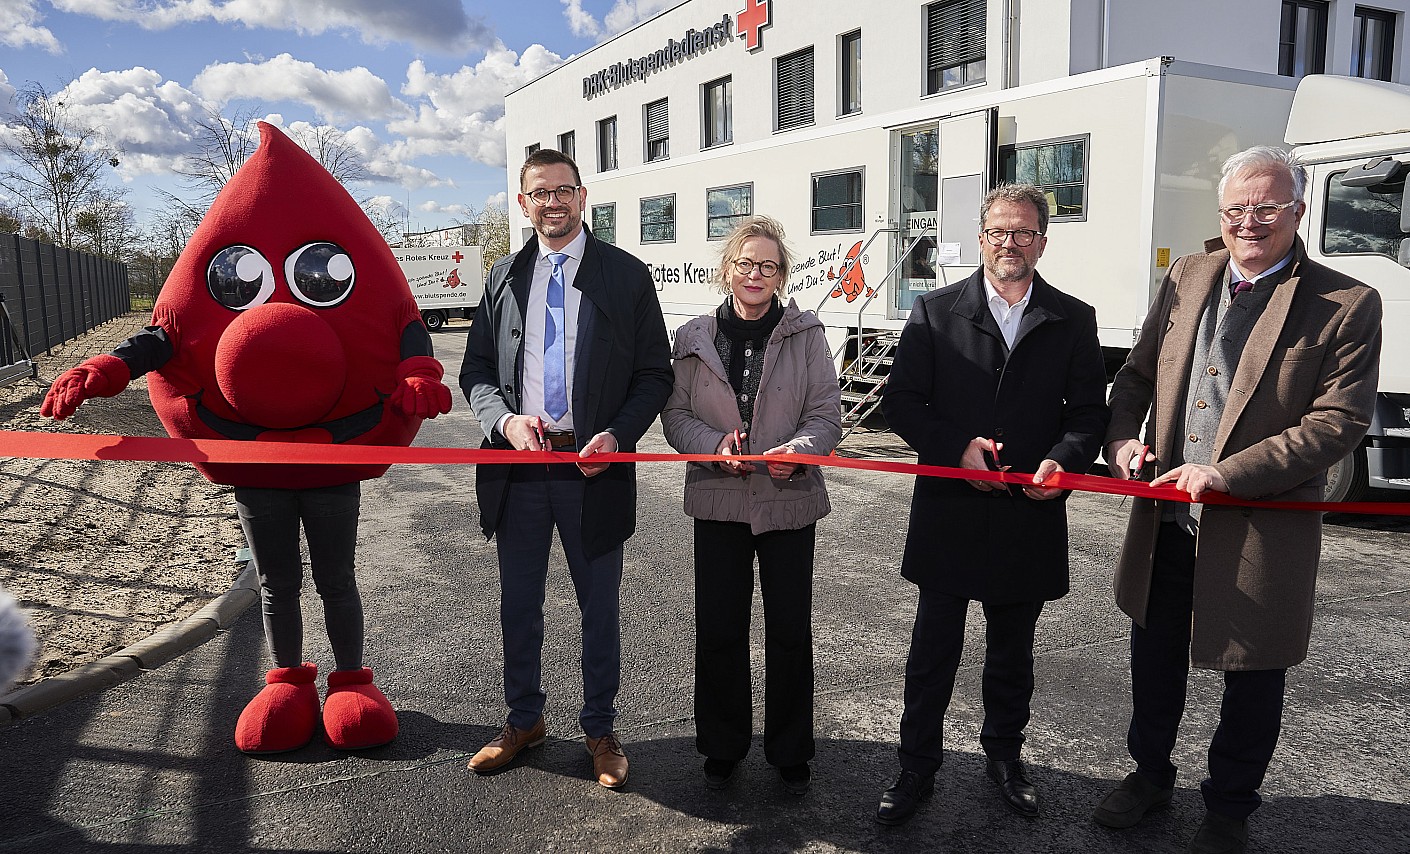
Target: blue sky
(417, 86)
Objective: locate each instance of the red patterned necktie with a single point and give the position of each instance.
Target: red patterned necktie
(1236, 288)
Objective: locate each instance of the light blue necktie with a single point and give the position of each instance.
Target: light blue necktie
(555, 387)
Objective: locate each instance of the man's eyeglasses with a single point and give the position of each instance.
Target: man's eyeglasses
(1263, 214)
(564, 194)
(1021, 236)
(745, 266)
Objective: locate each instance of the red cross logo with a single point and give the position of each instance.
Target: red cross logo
(752, 20)
(457, 257)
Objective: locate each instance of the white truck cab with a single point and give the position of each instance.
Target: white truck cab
(1353, 135)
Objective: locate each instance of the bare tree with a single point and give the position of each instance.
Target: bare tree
(106, 225)
(11, 219)
(493, 233)
(330, 147)
(57, 163)
(222, 145)
(387, 216)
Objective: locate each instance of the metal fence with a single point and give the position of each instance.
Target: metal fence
(51, 295)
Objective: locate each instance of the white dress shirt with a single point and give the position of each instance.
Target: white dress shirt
(1007, 316)
(531, 382)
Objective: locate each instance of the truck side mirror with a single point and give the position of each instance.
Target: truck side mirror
(1404, 216)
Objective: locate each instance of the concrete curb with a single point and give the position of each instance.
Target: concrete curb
(149, 654)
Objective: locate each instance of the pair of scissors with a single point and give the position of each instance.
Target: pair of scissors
(991, 460)
(1137, 463)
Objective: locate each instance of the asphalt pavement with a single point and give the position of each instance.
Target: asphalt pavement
(149, 765)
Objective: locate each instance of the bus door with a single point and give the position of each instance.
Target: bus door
(942, 171)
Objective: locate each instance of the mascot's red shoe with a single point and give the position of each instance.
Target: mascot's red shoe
(355, 714)
(282, 716)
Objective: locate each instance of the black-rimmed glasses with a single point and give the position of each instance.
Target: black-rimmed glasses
(1021, 236)
(745, 266)
(1263, 214)
(564, 194)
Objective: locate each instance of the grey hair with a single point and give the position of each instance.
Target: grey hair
(1261, 159)
(755, 226)
(1017, 194)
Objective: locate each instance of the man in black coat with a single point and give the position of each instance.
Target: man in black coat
(568, 352)
(1001, 370)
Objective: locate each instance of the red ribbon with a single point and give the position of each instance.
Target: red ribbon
(90, 446)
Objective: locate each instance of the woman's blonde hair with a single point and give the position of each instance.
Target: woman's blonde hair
(754, 226)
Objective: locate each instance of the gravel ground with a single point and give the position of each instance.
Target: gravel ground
(104, 553)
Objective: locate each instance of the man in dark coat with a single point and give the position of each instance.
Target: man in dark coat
(1001, 370)
(1258, 369)
(568, 352)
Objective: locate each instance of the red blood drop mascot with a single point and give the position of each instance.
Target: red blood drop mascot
(286, 319)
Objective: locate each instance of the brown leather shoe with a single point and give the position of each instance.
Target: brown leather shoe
(609, 761)
(504, 747)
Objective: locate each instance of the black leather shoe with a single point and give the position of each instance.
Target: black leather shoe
(1220, 834)
(899, 802)
(718, 772)
(796, 778)
(1012, 778)
(1129, 802)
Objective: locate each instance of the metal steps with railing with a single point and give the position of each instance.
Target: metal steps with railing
(863, 378)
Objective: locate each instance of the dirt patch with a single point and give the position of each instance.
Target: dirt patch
(104, 553)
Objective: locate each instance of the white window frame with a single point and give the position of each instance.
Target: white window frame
(706, 125)
(664, 128)
(977, 11)
(842, 58)
(616, 151)
(804, 91)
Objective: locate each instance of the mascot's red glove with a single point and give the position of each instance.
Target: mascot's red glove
(420, 392)
(100, 376)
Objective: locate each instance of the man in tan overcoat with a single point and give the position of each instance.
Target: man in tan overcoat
(1258, 368)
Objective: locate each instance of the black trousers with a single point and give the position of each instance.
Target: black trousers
(1250, 716)
(1007, 683)
(724, 598)
(329, 515)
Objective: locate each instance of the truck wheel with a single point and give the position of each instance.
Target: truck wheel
(433, 319)
(1347, 480)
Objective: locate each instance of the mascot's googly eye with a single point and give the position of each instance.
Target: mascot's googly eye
(320, 274)
(240, 278)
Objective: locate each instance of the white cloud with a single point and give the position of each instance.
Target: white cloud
(463, 112)
(7, 94)
(146, 118)
(453, 211)
(626, 14)
(19, 26)
(353, 94)
(580, 21)
(386, 205)
(437, 24)
(498, 200)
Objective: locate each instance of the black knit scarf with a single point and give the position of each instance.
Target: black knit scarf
(741, 332)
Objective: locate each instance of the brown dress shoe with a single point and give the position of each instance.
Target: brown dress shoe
(609, 761)
(504, 747)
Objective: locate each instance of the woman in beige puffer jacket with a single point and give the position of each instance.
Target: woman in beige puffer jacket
(755, 376)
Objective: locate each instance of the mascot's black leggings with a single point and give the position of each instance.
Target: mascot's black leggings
(270, 518)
